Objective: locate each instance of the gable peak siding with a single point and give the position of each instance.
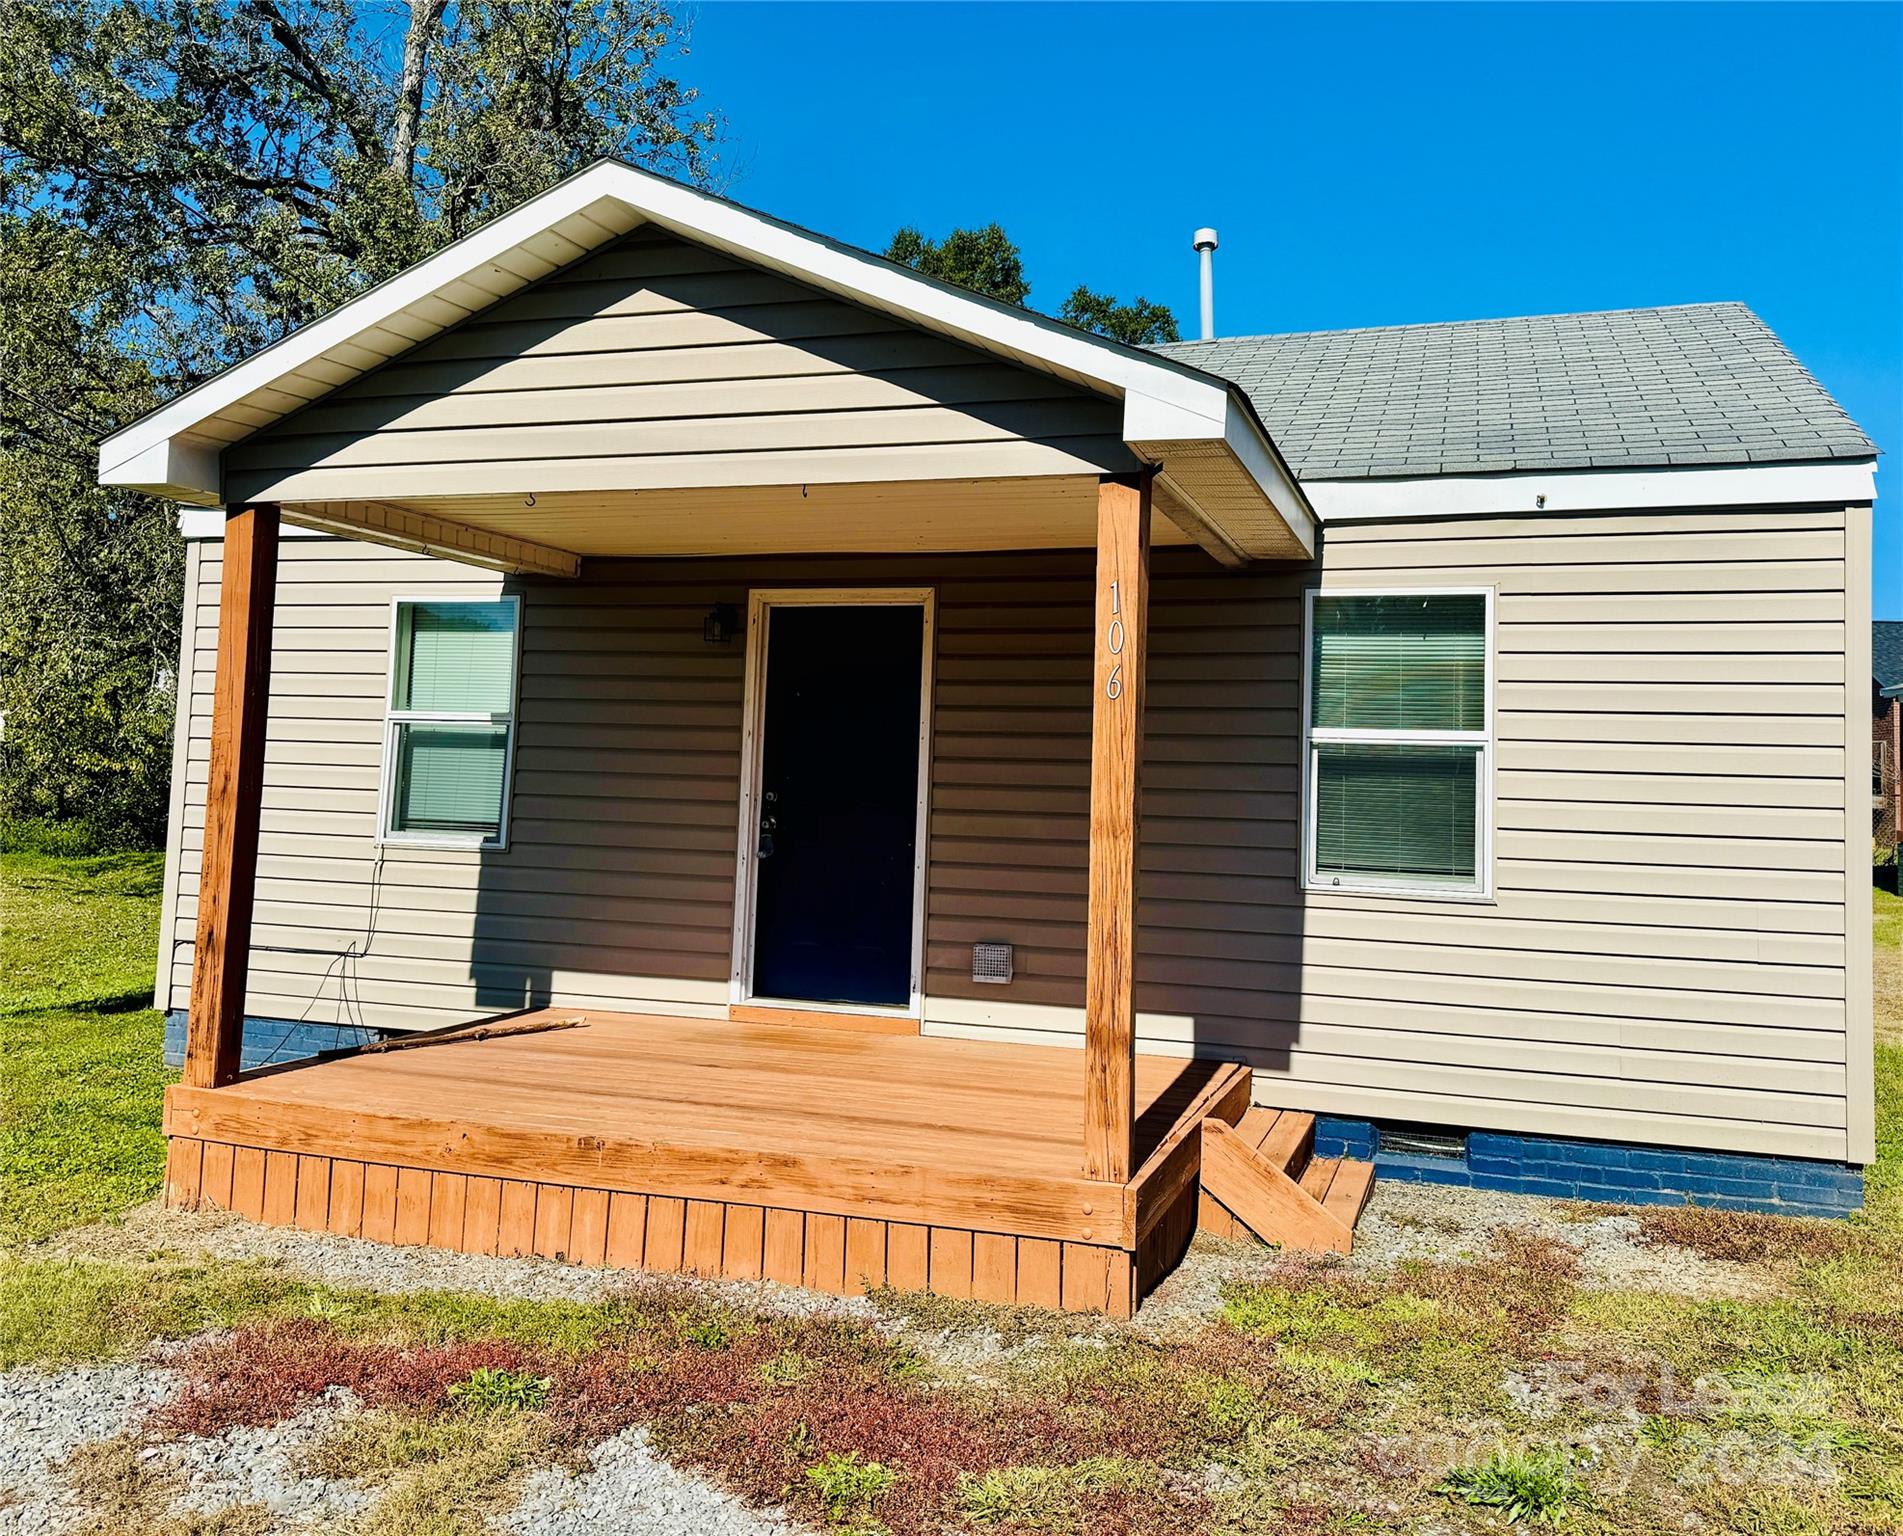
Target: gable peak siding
(1668, 957)
(655, 363)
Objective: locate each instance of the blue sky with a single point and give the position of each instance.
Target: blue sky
(1366, 165)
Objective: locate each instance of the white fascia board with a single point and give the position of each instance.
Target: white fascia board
(1151, 421)
(1254, 451)
(1148, 419)
(1595, 490)
(1031, 339)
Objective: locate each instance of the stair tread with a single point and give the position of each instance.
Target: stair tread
(1287, 1143)
(1319, 1176)
(1349, 1191)
(1256, 1125)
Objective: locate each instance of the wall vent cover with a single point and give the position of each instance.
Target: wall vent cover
(1423, 1141)
(991, 963)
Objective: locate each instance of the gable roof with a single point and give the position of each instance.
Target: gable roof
(1695, 384)
(1218, 465)
(1886, 655)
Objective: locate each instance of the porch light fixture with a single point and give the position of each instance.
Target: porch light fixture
(721, 624)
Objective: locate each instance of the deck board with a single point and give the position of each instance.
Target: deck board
(772, 1088)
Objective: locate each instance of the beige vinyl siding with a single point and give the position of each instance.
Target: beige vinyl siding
(184, 713)
(1714, 991)
(1665, 959)
(658, 363)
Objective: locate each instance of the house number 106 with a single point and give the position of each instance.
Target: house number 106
(1113, 685)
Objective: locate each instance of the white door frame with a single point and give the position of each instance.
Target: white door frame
(760, 605)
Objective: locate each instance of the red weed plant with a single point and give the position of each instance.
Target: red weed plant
(263, 1373)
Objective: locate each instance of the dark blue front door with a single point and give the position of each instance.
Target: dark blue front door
(838, 804)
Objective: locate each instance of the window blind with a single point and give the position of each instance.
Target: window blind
(449, 778)
(1399, 663)
(456, 658)
(1405, 812)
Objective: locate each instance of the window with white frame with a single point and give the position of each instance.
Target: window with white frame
(450, 723)
(1399, 719)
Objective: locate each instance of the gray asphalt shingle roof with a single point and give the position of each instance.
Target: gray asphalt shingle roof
(1886, 654)
(1621, 389)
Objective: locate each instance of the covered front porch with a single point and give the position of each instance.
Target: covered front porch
(635, 380)
(795, 1138)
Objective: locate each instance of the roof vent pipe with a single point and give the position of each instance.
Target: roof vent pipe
(1206, 247)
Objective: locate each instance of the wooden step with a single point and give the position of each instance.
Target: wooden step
(1256, 1123)
(1318, 1175)
(1291, 1143)
(1281, 1137)
(1348, 1194)
(1259, 1179)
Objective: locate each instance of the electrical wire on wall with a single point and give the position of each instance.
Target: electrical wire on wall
(342, 966)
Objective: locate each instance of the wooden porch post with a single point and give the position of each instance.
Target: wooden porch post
(1116, 749)
(228, 870)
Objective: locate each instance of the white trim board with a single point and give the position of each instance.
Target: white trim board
(1594, 490)
(760, 602)
(199, 523)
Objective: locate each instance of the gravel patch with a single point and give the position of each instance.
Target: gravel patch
(1446, 1224)
(630, 1491)
(1442, 1222)
(351, 1263)
(264, 1465)
(47, 1415)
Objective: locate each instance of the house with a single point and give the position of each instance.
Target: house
(1886, 732)
(928, 796)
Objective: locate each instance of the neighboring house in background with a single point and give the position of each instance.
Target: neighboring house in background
(1886, 730)
(688, 623)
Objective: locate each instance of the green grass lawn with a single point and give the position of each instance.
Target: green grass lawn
(80, 1071)
(1888, 921)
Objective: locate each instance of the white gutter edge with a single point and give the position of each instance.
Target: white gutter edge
(1594, 490)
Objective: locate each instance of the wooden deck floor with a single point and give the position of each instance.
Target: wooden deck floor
(952, 1150)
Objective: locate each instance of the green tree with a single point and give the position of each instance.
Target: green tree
(89, 579)
(984, 260)
(1139, 323)
(988, 261)
(185, 181)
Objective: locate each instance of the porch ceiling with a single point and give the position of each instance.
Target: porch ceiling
(901, 517)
